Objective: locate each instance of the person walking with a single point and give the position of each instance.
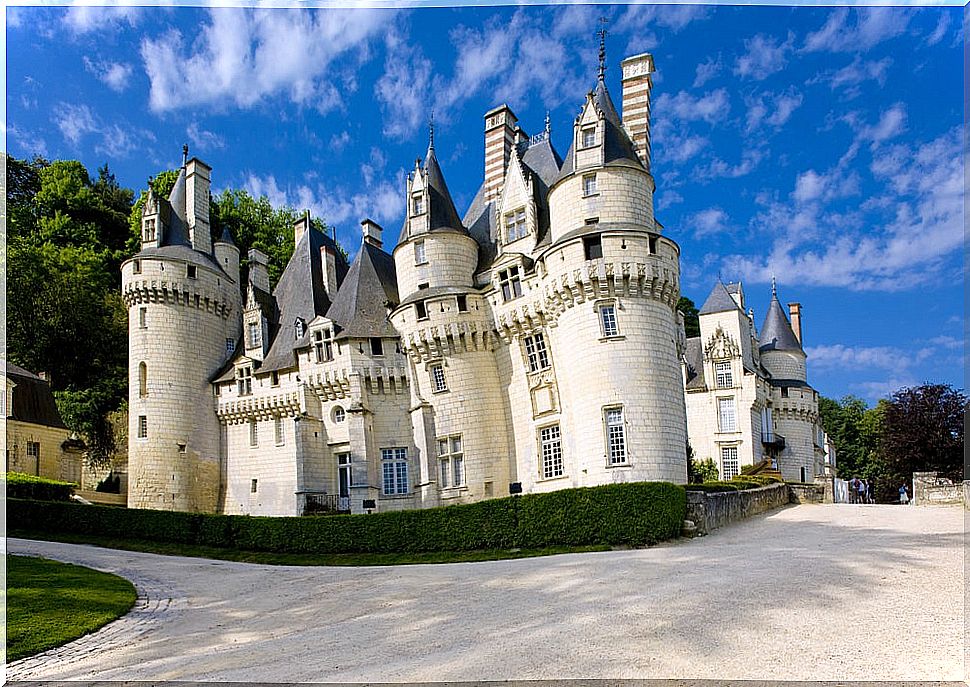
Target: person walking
(861, 486)
(903, 496)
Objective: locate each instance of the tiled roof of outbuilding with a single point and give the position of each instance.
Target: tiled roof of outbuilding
(32, 399)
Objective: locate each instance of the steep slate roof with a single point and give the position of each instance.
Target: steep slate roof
(618, 148)
(300, 293)
(719, 300)
(694, 356)
(226, 236)
(480, 220)
(32, 399)
(177, 232)
(776, 332)
(441, 207)
(361, 305)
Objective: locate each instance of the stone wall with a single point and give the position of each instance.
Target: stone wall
(711, 511)
(931, 490)
(808, 493)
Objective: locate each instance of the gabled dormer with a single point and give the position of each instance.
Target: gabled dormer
(589, 134)
(516, 211)
(258, 310)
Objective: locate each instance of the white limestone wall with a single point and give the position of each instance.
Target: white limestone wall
(795, 419)
(273, 466)
(451, 259)
(183, 343)
(53, 462)
(623, 195)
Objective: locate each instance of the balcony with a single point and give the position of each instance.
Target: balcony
(773, 440)
(326, 504)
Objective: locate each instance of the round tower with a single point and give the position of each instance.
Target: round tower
(184, 324)
(446, 331)
(611, 284)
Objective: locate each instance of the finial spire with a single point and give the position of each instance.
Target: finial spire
(431, 131)
(185, 154)
(774, 289)
(602, 34)
(548, 125)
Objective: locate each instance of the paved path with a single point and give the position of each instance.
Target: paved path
(807, 592)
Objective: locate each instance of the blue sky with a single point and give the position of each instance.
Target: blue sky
(818, 145)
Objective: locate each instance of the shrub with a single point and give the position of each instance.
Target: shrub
(634, 514)
(735, 484)
(21, 486)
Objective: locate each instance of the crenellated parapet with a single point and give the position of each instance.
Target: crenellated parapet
(242, 410)
(448, 338)
(189, 295)
(599, 279)
(522, 319)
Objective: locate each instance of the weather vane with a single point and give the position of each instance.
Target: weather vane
(602, 34)
(431, 130)
(185, 154)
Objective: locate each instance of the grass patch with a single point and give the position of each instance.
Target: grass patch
(51, 603)
(268, 558)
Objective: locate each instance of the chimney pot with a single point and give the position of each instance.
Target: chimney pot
(795, 311)
(372, 233)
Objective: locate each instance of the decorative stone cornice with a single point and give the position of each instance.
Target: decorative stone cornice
(448, 338)
(259, 408)
(160, 291)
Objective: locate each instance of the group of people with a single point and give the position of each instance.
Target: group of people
(860, 491)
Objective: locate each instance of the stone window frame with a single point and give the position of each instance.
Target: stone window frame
(143, 318)
(728, 374)
(33, 451)
(230, 346)
(417, 204)
(136, 266)
(338, 415)
(536, 352)
(547, 469)
(451, 461)
(589, 185)
(279, 431)
(720, 459)
(253, 433)
(244, 380)
(510, 283)
(615, 439)
(439, 383)
(142, 379)
(395, 478)
(323, 345)
(253, 485)
(191, 271)
(516, 224)
(609, 324)
(254, 334)
(141, 432)
(420, 253)
(726, 401)
(587, 137)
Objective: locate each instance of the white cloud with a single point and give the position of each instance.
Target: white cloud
(74, 121)
(667, 198)
(707, 71)
(891, 123)
(850, 77)
(810, 186)
(241, 57)
(765, 55)
(706, 222)
(404, 89)
(883, 388)
(206, 140)
(113, 74)
(116, 140)
(339, 141)
(32, 142)
(871, 26)
(841, 357)
(719, 169)
(771, 109)
(711, 107)
(941, 28)
(84, 18)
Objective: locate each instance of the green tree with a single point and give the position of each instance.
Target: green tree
(854, 439)
(692, 325)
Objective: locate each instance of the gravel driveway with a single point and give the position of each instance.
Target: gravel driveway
(812, 592)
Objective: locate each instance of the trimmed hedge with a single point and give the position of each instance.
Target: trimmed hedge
(635, 514)
(726, 485)
(21, 486)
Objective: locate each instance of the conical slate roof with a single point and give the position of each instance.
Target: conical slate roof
(441, 207)
(719, 300)
(178, 231)
(370, 287)
(226, 237)
(776, 332)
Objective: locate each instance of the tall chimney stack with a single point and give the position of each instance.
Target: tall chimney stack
(795, 311)
(372, 233)
(300, 227)
(197, 183)
(636, 102)
(500, 136)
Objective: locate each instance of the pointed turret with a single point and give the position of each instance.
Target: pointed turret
(776, 332)
(440, 205)
(366, 295)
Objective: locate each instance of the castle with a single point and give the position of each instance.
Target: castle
(530, 345)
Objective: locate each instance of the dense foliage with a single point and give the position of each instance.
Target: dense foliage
(51, 603)
(67, 237)
(21, 486)
(634, 514)
(692, 323)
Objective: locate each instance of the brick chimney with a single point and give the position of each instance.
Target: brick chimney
(636, 102)
(372, 233)
(795, 311)
(300, 227)
(500, 136)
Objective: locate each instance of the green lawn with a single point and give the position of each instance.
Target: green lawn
(51, 603)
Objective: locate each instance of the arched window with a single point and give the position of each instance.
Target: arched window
(339, 414)
(142, 380)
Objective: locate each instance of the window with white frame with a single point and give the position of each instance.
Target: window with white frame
(254, 334)
(589, 136)
(417, 205)
(722, 375)
(33, 451)
(536, 353)
(729, 462)
(338, 414)
(615, 436)
(420, 257)
(608, 320)
(726, 417)
(394, 470)
(142, 426)
(244, 381)
(438, 378)
(550, 444)
(253, 433)
(515, 225)
(279, 431)
(323, 345)
(451, 462)
(589, 185)
(510, 282)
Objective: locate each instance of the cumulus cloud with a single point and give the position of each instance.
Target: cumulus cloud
(858, 30)
(764, 56)
(848, 79)
(719, 169)
(115, 75)
(706, 71)
(404, 89)
(85, 18)
(241, 57)
(711, 107)
(772, 109)
(706, 222)
(114, 139)
(205, 140)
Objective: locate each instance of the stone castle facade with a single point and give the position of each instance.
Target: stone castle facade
(530, 345)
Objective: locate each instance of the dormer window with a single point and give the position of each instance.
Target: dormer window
(299, 328)
(150, 230)
(254, 335)
(515, 227)
(588, 136)
(417, 205)
(323, 346)
(244, 381)
(510, 283)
